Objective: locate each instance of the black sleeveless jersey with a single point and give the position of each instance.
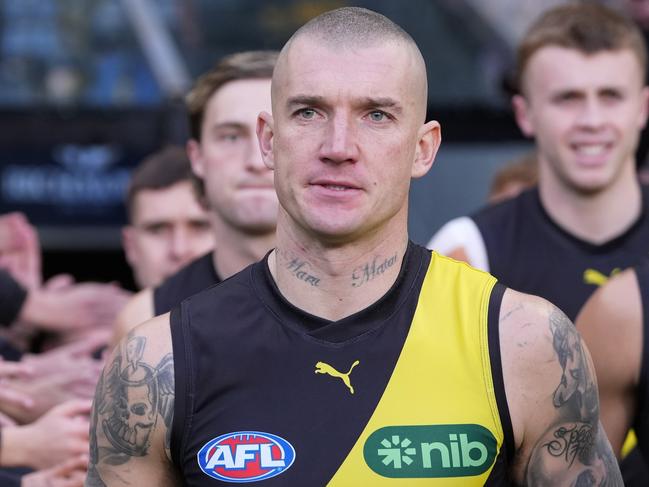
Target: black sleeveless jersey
(194, 277)
(529, 252)
(266, 391)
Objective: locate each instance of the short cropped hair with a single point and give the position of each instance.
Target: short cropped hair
(160, 170)
(238, 66)
(353, 25)
(585, 26)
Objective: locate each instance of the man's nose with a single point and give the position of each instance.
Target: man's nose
(180, 248)
(340, 140)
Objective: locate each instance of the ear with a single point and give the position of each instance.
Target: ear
(522, 114)
(644, 107)
(195, 155)
(265, 138)
(429, 140)
(128, 244)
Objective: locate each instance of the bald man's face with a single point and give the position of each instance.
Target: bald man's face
(345, 136)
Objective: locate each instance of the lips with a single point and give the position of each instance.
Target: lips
(591, 149)
(333, 185)
(592, 153)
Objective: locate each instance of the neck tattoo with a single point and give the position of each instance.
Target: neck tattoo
(370, 270)
(302, 271)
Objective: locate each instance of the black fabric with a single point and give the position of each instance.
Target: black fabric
(635, 472)
(12, 477)
(529, 252)
(499, 474)
(12, 298)
(9, 352)
(237, 346)
(235, 370)
(191, 279)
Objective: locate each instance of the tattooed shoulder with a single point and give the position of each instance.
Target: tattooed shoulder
(133, 401)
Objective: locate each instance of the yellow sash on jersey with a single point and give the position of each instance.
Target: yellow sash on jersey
(438, 414)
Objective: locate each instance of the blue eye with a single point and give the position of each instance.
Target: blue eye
(307, 113)
(377, 116)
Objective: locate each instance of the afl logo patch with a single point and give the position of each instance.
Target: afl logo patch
(246, 456)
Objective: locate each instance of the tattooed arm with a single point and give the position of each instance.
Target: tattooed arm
(552, 396)
(138, 309)
(133, 410)
(611, 324)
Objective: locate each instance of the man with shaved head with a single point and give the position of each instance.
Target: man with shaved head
(349, 355)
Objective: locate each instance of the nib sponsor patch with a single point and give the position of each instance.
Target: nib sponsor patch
(454, 450)
(246, 456)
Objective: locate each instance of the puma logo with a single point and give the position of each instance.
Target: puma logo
(323, 368)
(596, 278)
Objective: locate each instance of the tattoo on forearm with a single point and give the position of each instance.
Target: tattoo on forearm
(130, 396)
(302, 271)
(371, 270)
(576, 438)
(572, 442)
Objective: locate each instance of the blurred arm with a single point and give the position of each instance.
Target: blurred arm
(611, 324)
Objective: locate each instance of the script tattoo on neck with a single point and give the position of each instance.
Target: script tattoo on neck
(371, 270)
(302, 271)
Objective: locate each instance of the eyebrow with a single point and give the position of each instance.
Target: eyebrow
(228, 125)
(305, 100)
(366, 102)
(382, 102)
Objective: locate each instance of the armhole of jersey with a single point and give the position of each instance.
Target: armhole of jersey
(462, 232)
(183, 400)
(493, 319)
(643, 288)
(156, 301)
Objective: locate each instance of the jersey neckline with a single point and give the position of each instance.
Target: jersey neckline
(415, 262)
(604, 247)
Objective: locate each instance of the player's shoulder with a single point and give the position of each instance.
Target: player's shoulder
(618, 298)
(614, 314)
(503, 212)
(523, 315)
(202, 266)
(191, 279)
(236, 289)
(533, 331)
(137, 310)
(150, 341)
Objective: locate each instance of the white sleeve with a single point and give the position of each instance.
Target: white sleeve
(461, 233)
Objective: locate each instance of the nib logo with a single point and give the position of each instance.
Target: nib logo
(430, 451)
(396, 451)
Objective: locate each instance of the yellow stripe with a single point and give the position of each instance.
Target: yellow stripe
(443, 375)
(630, 443)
